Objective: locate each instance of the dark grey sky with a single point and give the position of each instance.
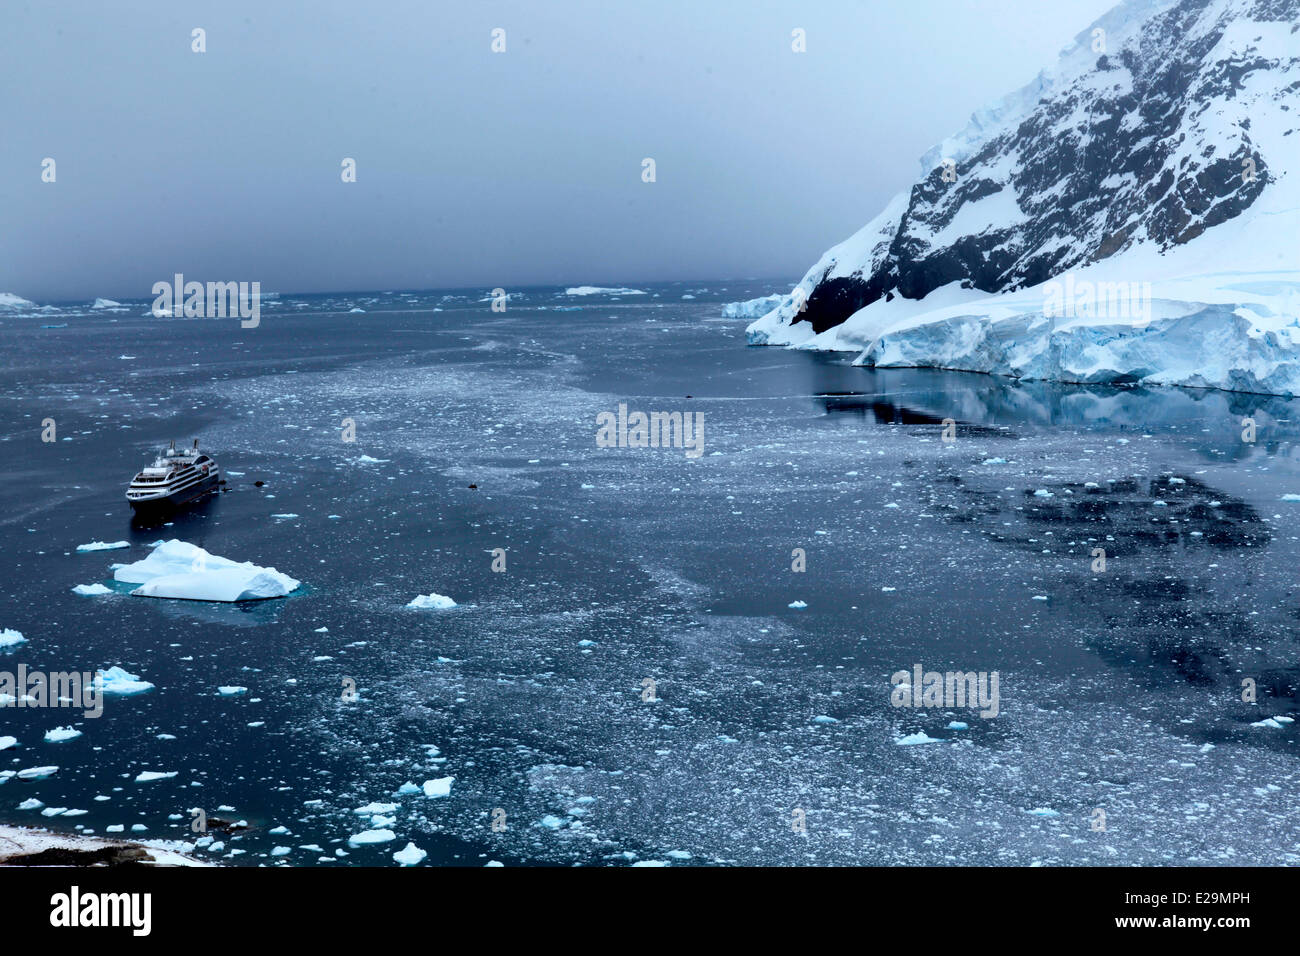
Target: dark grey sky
(476, 168)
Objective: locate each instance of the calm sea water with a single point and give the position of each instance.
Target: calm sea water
(771, 738)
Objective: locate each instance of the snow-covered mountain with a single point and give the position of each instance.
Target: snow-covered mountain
(1132, 214)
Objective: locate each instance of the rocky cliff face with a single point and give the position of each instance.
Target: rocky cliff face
(1161, 122)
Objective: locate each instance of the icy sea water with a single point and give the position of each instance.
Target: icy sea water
(1119, 690)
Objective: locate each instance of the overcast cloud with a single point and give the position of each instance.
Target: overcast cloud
(475, 168)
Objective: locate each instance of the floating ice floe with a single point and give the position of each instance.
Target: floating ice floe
(180, 570)
(438, 788)
(1290, 497)
(7, 742)
(1043, 812)
(371, 808)
(59, 734)
(367, 837)
(1277, 723)
(919, 737)
(118, 683)
(37, 773)
(230, 691)
(90, 590)
(149, 776)
(409, 856)
(103, 546)
(11, 638)
(798, 605)
(438, 602)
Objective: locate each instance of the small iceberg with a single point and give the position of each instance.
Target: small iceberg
(103, 546)
(439, 602)
(89, 590)
(368, 837)
(183, 571)
(7, 742)
(230, 691)
(118, 683)
(599, 290)
(798, 605)
(11, 638)
(751, 308)
(59, 734)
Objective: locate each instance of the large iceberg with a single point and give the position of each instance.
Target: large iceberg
(178, 569)
(10, 301)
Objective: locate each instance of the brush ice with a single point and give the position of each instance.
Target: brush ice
(180, 570)
(431, 601)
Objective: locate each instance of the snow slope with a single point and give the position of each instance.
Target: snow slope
(1162, 166)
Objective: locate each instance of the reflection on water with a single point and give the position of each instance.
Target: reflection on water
(923, 396)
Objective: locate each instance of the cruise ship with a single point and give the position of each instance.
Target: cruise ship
(175, 478)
